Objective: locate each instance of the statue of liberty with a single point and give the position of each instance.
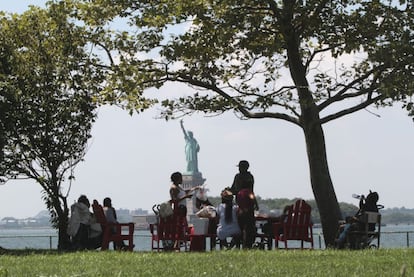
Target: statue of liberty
(191, 150)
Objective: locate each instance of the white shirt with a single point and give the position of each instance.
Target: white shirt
(110, 214)
(225, 229)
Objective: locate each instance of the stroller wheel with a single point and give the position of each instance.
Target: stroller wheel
(372, 246)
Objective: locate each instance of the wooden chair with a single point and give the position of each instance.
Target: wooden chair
(264, 232)
(211, 236)
(296, 226)
(170, 233)
(113, 232)
(168, 236)
(369, 230)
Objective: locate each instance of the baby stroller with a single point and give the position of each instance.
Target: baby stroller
(364, 228)
(170, 230)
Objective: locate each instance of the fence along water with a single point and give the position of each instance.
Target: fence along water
(395, 236)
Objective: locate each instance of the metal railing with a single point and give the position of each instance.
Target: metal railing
(318, 238)
(384, 242)
(51, 237)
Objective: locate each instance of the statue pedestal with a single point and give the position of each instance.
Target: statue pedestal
(191, 180)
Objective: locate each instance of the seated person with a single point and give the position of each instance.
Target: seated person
(283, 217)
(228, 225)
(344, 230)
(111, 217)
(81, 221)
(269, 228)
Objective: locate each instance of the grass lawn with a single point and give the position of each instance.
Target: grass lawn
(383, 262)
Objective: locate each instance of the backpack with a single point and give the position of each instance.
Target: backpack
(245, 199)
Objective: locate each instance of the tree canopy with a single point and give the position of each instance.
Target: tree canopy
(355, 53)
(49, 81)
(305, 62)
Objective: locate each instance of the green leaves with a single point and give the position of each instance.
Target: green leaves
(49, 72)
(49, 79)
(249, 51)
(255, 48)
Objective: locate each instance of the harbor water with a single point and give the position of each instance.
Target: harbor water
(392, 236)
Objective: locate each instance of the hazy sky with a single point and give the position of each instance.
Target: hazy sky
(130, 159)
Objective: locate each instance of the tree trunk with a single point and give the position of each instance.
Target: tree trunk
(59, 205)
(64, 242)
(63, 219)
(321, 182)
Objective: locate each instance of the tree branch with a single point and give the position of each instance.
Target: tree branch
(238, 106)
(350, 110)
(108, 52)
(312, 56)
(340, 95)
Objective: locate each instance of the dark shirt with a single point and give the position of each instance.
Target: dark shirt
(242, 180)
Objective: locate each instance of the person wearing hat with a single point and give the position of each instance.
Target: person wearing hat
(244, 179)
(228, 225)
(243, 189)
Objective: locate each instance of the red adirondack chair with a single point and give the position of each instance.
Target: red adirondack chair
(170, 233)
(296, 226)
(113, 232)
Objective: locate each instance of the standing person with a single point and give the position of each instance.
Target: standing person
(242, 187)
(179, 195)
(228, 225)
(178, 199)
(244, 179)
(191, 150)
(246, 202)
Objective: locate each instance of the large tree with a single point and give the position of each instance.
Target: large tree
(305, 62)
(48, 79)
